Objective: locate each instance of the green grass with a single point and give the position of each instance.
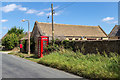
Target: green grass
(5, 51)
(89, 66)
(31, 57)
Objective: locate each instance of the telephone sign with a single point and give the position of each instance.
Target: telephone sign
(42, 43)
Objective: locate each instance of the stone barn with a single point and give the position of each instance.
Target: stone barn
(115, 33)
(67, 32)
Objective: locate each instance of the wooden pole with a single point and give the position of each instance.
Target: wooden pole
(52, 25)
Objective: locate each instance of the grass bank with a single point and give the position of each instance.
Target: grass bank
(89, 66)
(31, 57)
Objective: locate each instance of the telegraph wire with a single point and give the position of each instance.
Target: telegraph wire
(63, 6)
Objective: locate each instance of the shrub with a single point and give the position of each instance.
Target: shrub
(51, 48)
(60, 45)
(24, 44)
(10, 41)
(12, 38)
(83, 49)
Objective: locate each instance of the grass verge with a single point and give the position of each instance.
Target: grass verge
(89, 66)
(31, 57)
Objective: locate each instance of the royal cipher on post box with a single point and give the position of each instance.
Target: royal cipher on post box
(42, 43)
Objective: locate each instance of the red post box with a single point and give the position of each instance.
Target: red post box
(21, 46)
(42, 43)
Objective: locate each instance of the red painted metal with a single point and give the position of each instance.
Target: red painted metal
(21, 46)
(42, 43)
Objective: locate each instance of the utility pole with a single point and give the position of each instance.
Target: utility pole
(52, 25)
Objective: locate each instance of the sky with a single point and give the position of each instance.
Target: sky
(104, 14)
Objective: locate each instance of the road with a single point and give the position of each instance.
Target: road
(16, 67)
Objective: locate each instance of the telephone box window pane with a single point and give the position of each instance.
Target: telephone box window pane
(44, 38)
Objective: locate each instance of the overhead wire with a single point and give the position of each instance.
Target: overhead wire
(58, 9)
(63, 6)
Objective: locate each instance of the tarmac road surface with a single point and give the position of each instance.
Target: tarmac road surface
(16, 67)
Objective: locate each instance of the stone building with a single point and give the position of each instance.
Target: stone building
(67, 32)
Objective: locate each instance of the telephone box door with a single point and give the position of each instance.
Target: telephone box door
(39, 46)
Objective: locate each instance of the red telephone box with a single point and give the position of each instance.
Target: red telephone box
(42, 43)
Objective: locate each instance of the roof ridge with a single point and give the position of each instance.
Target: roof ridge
(102, 30)
(112, 30)
(68, 24)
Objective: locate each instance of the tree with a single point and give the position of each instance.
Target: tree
(15, 30)
(12, 38)
(10, 41)
(18, 31)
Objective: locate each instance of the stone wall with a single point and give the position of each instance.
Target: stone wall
(90, 46)
(98, 46)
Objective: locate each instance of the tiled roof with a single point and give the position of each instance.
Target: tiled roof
(115, 31)
(70, 30)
